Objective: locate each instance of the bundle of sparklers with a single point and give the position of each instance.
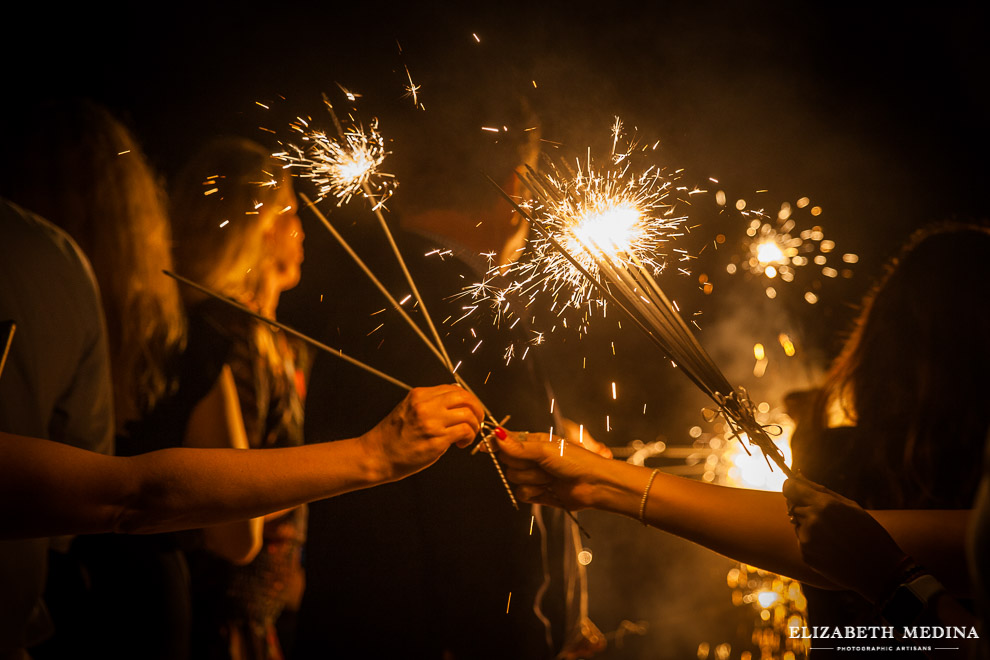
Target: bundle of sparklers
(597, 233)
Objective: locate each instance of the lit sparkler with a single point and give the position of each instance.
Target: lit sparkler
(342, 166)
(608, 264)
(614, 210)
(348, 166)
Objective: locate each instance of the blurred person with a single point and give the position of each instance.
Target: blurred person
(845, 544)
(56, 385)
(81, 167)
(237, 232)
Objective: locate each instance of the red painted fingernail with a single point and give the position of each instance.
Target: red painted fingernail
(500, 433)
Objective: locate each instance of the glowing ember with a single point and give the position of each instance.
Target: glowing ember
(769, 252)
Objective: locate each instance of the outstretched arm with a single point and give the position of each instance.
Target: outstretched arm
(747, 525)
(48, 488)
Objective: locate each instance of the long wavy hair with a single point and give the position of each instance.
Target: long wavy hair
(223, 201)
(912, 376)
(81, 168)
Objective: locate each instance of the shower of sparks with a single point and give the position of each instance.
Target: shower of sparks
(340, 167)
(776, 250)
(597, 233)
(615, 211)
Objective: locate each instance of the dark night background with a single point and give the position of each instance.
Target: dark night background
(877, 113)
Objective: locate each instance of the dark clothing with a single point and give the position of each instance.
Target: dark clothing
(857, 481)
(424, 567)
(236, 608)
(133, 594)
(56, 385)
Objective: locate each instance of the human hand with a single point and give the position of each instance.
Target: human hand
(840, 540)
(551, 471)
(421, 428)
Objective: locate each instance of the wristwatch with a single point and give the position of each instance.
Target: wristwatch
(910, 599)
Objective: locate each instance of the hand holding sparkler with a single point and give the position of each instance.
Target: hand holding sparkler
(591, 230)
(552, 471)
(421, 428)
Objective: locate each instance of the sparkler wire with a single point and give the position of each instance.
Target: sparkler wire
(292, 331)
(491, 423)
(376, 209)
(378, 284)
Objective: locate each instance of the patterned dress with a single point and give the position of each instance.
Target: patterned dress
(236, 609)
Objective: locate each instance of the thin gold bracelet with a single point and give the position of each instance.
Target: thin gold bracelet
(646, 494)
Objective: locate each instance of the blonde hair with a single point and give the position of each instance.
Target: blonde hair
(83, 170)
(224, 200)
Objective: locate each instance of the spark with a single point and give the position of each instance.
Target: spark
(351, 96)
(412, 89)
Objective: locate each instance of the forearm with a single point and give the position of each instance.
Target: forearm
(47, 488)
(746, 525)
(183, 489)
(752, 525)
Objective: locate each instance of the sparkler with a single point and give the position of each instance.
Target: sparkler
(624, 211)
(621, 272)
(348, 166)
(490, 423)
(292, 331)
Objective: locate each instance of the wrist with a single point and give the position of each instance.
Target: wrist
(372, 459)
(619, 489)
